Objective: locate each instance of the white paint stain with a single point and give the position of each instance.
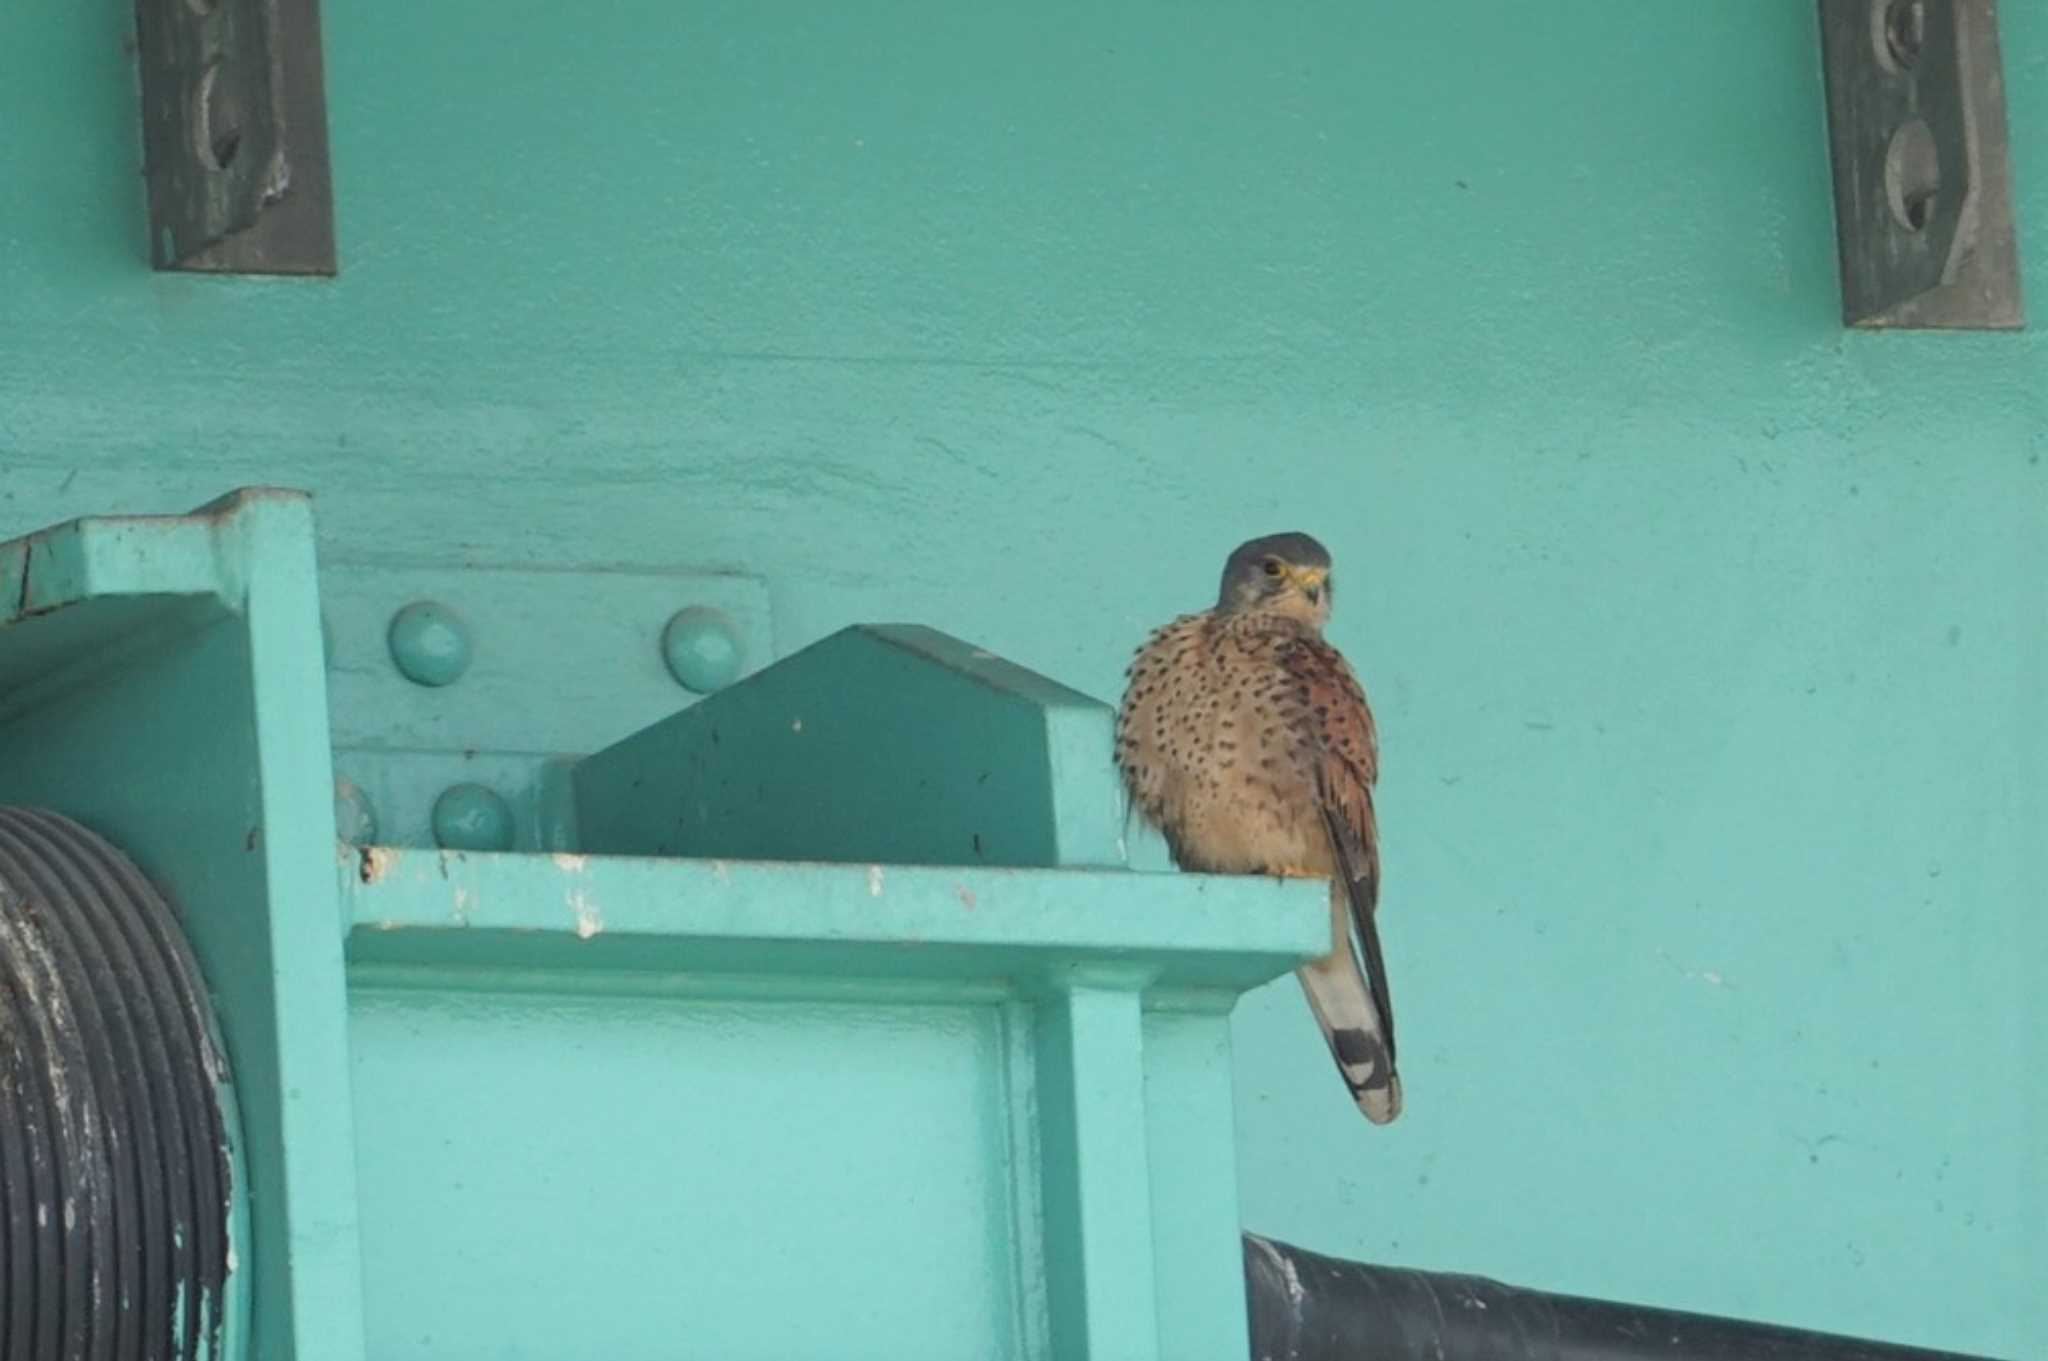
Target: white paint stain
(588, 920)
(796, 725)
(874, 881)
(719, 872)
(1711, 977)
(570, 864)
(464, 900)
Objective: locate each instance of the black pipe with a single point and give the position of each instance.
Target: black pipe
(114, 1168)
(1307, 1307)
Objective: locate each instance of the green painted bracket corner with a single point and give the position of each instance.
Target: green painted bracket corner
(891, 743)
(161, 681)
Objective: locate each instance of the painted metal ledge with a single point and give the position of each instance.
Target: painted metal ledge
(120, 555)
(455, 909)
(85, 596)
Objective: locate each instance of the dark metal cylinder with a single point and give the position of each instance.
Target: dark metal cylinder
(115, 1183)
(1308, 1307)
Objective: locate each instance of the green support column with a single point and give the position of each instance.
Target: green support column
(161, 682)
(1097, 1189)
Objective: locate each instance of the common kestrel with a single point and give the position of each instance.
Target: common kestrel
(1245, 738)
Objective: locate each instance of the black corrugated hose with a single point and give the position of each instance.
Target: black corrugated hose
(114, 1169)
(1307, 1307)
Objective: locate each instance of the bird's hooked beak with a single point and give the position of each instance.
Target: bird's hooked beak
(1309, 581)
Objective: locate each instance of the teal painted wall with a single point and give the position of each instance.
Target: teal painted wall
(1709, 642)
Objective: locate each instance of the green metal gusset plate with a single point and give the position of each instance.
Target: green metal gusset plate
(891, 743)
(161, 682)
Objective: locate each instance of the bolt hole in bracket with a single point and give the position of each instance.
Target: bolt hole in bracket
(1922, 173)
(234, 136)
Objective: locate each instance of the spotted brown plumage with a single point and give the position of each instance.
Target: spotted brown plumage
(1246, 739)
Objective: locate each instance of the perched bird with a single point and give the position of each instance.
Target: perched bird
(1245, 738)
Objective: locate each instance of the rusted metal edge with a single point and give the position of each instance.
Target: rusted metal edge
(1922, 173)
(234, 129)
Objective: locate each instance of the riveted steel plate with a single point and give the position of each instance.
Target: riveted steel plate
(554, 663)
(561, 661)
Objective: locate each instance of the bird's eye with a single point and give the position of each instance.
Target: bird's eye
(1272, 567)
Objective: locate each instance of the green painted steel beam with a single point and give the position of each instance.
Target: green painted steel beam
(1191, 1144)
(1113, 990)
(467, 910)
(1101, 998)
(1101, 1283)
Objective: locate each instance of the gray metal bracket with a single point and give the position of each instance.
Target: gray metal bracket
(234, 135)
(1923, 178)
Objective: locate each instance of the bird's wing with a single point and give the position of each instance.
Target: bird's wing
(1346, 755)
(1156, 698)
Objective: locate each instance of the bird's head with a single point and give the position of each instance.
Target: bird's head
(1285, 573)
